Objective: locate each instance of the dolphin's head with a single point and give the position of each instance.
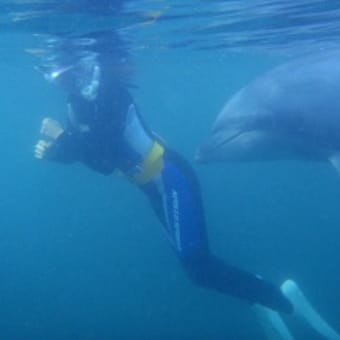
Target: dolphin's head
(249, 139)
(246, 129)
(239, 132)
(246, 137)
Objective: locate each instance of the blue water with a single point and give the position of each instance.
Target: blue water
(81, 255)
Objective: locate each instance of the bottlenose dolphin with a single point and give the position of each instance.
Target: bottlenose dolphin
(290, 112)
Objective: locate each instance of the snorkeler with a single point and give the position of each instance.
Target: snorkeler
(106, 132)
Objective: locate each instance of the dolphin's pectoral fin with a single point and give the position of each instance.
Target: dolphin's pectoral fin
(335, 161)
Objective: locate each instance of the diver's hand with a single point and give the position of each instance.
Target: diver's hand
(41, 148)
(51, 128)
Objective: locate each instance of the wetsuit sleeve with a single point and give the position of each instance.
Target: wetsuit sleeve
(66, 149)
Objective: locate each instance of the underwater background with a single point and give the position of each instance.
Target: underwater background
(82, 255)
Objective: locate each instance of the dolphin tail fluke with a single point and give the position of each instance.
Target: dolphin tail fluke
(304, 309)
(335, 161)
(273, 325)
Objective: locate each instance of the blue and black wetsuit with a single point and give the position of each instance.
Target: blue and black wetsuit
(107, 134)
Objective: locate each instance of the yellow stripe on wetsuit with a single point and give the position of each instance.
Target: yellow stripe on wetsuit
(153, 164)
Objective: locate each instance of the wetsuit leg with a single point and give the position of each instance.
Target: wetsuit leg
(177, 201)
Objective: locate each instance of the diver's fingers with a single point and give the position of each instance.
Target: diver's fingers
(40, 149)
(51, 128)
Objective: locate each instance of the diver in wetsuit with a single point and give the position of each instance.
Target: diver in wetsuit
(106, 132)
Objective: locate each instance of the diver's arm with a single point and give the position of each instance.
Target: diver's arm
(56, 143)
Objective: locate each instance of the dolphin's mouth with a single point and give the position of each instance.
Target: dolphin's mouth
(226, 140)
(208, 148)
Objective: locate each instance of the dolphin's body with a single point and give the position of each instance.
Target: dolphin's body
(291, 112)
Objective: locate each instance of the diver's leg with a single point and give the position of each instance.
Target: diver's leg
(184, 221)
(213, 273)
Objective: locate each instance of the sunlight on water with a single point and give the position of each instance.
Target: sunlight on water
(278, 26)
